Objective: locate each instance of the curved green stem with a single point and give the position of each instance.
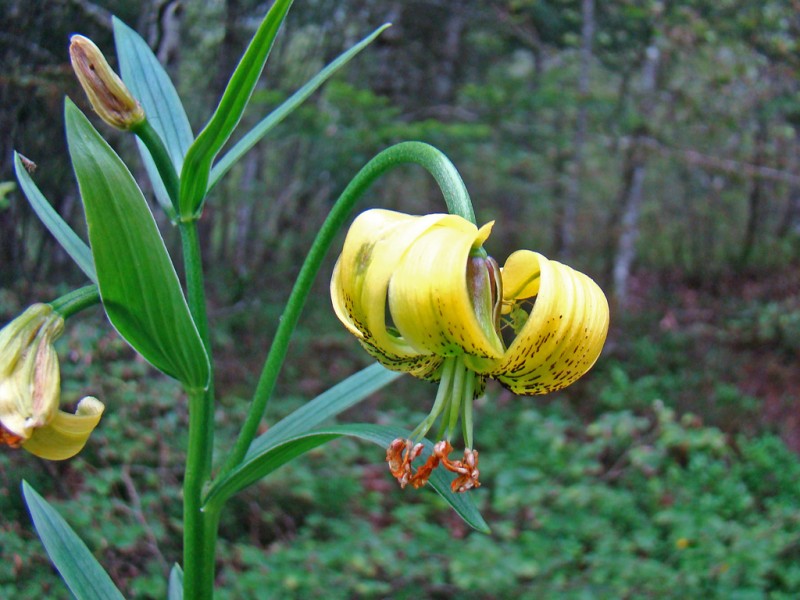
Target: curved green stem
(431, 159)
(76, 301)
(160, 155)
(458, 202)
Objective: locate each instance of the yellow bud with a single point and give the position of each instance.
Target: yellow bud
(30, 389)
(30, 380)
(110, 98)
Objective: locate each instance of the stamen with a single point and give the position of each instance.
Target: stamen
(453, 400)
(442, 398)
(466, 469)
(469, 478)
(424, 472)
(400, 454)
(10, 439)
(452, 410)
(466, 409)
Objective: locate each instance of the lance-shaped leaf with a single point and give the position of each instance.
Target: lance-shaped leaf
(175, 589)
(151, 85)
(296, 434)
(64, 234)
(276, 116)
(197, 164)
(140, 290)
(84, 576)
(328, 404)
(271, 457)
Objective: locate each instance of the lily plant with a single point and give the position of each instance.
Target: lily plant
(420, 293)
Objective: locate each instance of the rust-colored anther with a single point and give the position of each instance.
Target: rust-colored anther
(424, 472)
(467, 469)
(400, 454)
(468, 479)
(10, 439)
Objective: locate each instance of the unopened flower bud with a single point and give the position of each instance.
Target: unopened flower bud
(109, 96)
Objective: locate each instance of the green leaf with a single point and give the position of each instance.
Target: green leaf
(257, 466)
(330, 403)
(175, 590)
(271, 457)
(197, 165)
(69, 240)
(276, 116)
(294, 435)
(150, 84)
(84, 576)
(140, 290)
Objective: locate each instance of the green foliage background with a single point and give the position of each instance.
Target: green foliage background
(670, 471)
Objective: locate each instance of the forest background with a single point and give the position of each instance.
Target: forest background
(652, 145)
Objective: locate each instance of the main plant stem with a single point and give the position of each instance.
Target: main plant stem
(199, 527)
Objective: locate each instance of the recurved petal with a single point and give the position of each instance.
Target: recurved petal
(67, 433)
(376, 243)
(520, 276)
(421, 366)
(565, 331)
(429, 296)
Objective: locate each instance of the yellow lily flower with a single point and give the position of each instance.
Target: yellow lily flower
(422, 296)
(30, 389)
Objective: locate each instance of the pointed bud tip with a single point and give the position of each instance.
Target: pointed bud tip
(109, 96)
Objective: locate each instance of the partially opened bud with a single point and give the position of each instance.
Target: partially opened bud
(110, 98)
(30, 389)
(30, 380)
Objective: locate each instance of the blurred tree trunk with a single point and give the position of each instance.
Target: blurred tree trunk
(524, 33)
(790, 221)
(231, 226)
(231, 47)
(755, 199)
(445, 83)
(631, 200)
(243, 243)
(567, 212)
(634, 171)
(166, 34)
